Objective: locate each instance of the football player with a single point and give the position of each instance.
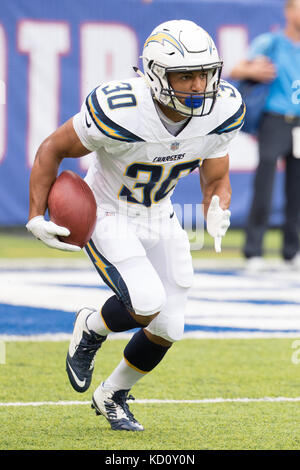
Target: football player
(147, 133)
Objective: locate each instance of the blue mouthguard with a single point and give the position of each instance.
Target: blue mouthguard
(193, 103)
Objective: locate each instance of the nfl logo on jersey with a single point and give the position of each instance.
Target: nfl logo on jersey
(174, 146)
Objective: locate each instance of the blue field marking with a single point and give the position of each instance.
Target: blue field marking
(44, 269)
(21, 320)
(246, 301)
(80, 286)
(212, 289)
(24, 320)
(241, 273)
(219, 272)
(229, 329)
(49, 268)
(43, 301)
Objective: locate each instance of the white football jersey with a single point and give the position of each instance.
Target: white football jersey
(138, 162)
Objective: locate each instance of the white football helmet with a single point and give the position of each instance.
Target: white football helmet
(182, 46)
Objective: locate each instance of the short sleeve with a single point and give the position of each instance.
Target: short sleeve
(261, 45)
(221, 136)
(220, 144)
(85, 128)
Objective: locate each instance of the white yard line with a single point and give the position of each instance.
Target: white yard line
(189, 334)
(157, 401)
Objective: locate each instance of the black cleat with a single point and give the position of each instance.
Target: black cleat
(82, 351)
(113, 406)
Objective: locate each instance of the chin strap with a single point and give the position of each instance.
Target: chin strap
(141, 74)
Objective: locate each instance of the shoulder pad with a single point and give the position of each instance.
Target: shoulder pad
(230, 108)
(109, 106)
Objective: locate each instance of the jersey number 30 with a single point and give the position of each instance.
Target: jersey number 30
(119, 100)
(150, 183)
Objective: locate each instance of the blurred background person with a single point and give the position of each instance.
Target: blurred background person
(275, 58)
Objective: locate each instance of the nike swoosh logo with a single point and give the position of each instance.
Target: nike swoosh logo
(80, 383)
(87, 123)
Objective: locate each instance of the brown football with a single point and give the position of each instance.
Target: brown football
(72, 204)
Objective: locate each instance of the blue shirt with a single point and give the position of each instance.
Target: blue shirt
(283, 96)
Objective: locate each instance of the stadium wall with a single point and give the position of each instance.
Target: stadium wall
(52, 53)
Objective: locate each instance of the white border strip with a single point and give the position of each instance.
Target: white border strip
(157, 401)
(190, 334)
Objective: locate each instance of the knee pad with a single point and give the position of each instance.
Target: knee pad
(169, 323)
(148, 296)
(170, 330)
(132, 277)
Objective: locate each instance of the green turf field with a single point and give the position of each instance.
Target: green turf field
(193, 369)
(26, 246)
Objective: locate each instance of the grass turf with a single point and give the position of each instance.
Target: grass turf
(228, 368)
(35, 371)
(25, 246)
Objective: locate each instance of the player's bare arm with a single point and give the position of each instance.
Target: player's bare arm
(63, 143)
(216, 190)
(260, 69)
(214, 179)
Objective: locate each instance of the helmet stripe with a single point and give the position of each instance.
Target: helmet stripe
(162, 37)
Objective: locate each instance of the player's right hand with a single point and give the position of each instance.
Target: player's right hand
(47, 232)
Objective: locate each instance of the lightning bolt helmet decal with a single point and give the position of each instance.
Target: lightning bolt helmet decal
(162, 37)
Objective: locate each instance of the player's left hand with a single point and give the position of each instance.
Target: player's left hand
(217, 221)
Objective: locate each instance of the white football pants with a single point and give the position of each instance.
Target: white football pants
(147, 263)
